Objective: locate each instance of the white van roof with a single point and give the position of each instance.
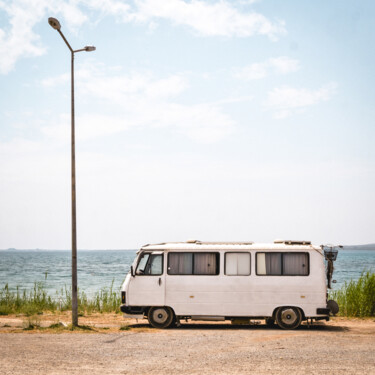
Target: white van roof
(248, 245)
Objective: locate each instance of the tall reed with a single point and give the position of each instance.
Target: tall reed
(37, 300)
(357, 298)
(31, 302)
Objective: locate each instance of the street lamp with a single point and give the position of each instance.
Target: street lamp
(56, 25)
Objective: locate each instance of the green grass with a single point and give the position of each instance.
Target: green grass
(124, 328)
(33, 322)
(37, 300)
(357, 298)
(30, 303)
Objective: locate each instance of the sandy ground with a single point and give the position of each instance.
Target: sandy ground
(341, 346)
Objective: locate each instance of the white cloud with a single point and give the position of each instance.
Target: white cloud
(238, 99)
(287, 100)
(247, 2)
(100, 82)
(119, 9)
(203, 123)
(88, 126)
(53, 81)
(253, 71)
(209, 19)
(278, 65)
(72, 15)
(220, 18)
(20, 40)
(140, 100)
(283, 64)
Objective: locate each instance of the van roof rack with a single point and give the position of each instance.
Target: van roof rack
(289, 242)
(197, 242)
(222, 243)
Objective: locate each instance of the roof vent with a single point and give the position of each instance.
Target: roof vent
(289, 242)
(192, 241)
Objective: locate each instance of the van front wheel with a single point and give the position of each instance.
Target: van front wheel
(288, 317)
(160, 317)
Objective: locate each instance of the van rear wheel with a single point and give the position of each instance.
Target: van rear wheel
(288, 317)
(160, 317)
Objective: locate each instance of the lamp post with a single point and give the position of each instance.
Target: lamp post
(56, 25)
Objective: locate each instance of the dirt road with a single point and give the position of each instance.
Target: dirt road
(338, 347)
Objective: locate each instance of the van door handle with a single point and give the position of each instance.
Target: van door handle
(159, 280)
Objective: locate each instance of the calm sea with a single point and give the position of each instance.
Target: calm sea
(98, 269)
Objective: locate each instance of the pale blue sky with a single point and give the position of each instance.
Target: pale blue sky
(214, 120)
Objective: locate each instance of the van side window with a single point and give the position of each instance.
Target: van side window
(150, 264)
(193, 263)
(180, 264)
(237, 264)
(206, 264)
(296, 264)
(282, 264)
(269, 264)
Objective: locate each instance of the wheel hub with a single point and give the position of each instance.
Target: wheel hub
(288, 316)
(160, 316)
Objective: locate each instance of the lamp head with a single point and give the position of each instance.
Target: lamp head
(54, 23)
(90, 48)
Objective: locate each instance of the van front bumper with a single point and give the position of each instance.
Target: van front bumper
(133, 310)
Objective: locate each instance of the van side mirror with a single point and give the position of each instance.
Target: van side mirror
(132, 271)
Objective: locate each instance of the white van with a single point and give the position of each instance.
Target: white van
(283, 282)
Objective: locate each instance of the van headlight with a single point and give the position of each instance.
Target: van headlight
(123, 297)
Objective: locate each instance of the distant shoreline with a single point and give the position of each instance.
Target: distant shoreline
(12, 249)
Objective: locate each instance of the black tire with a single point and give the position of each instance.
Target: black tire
(288, 317)
(270, 322)
(333, 307)
(160, 317)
